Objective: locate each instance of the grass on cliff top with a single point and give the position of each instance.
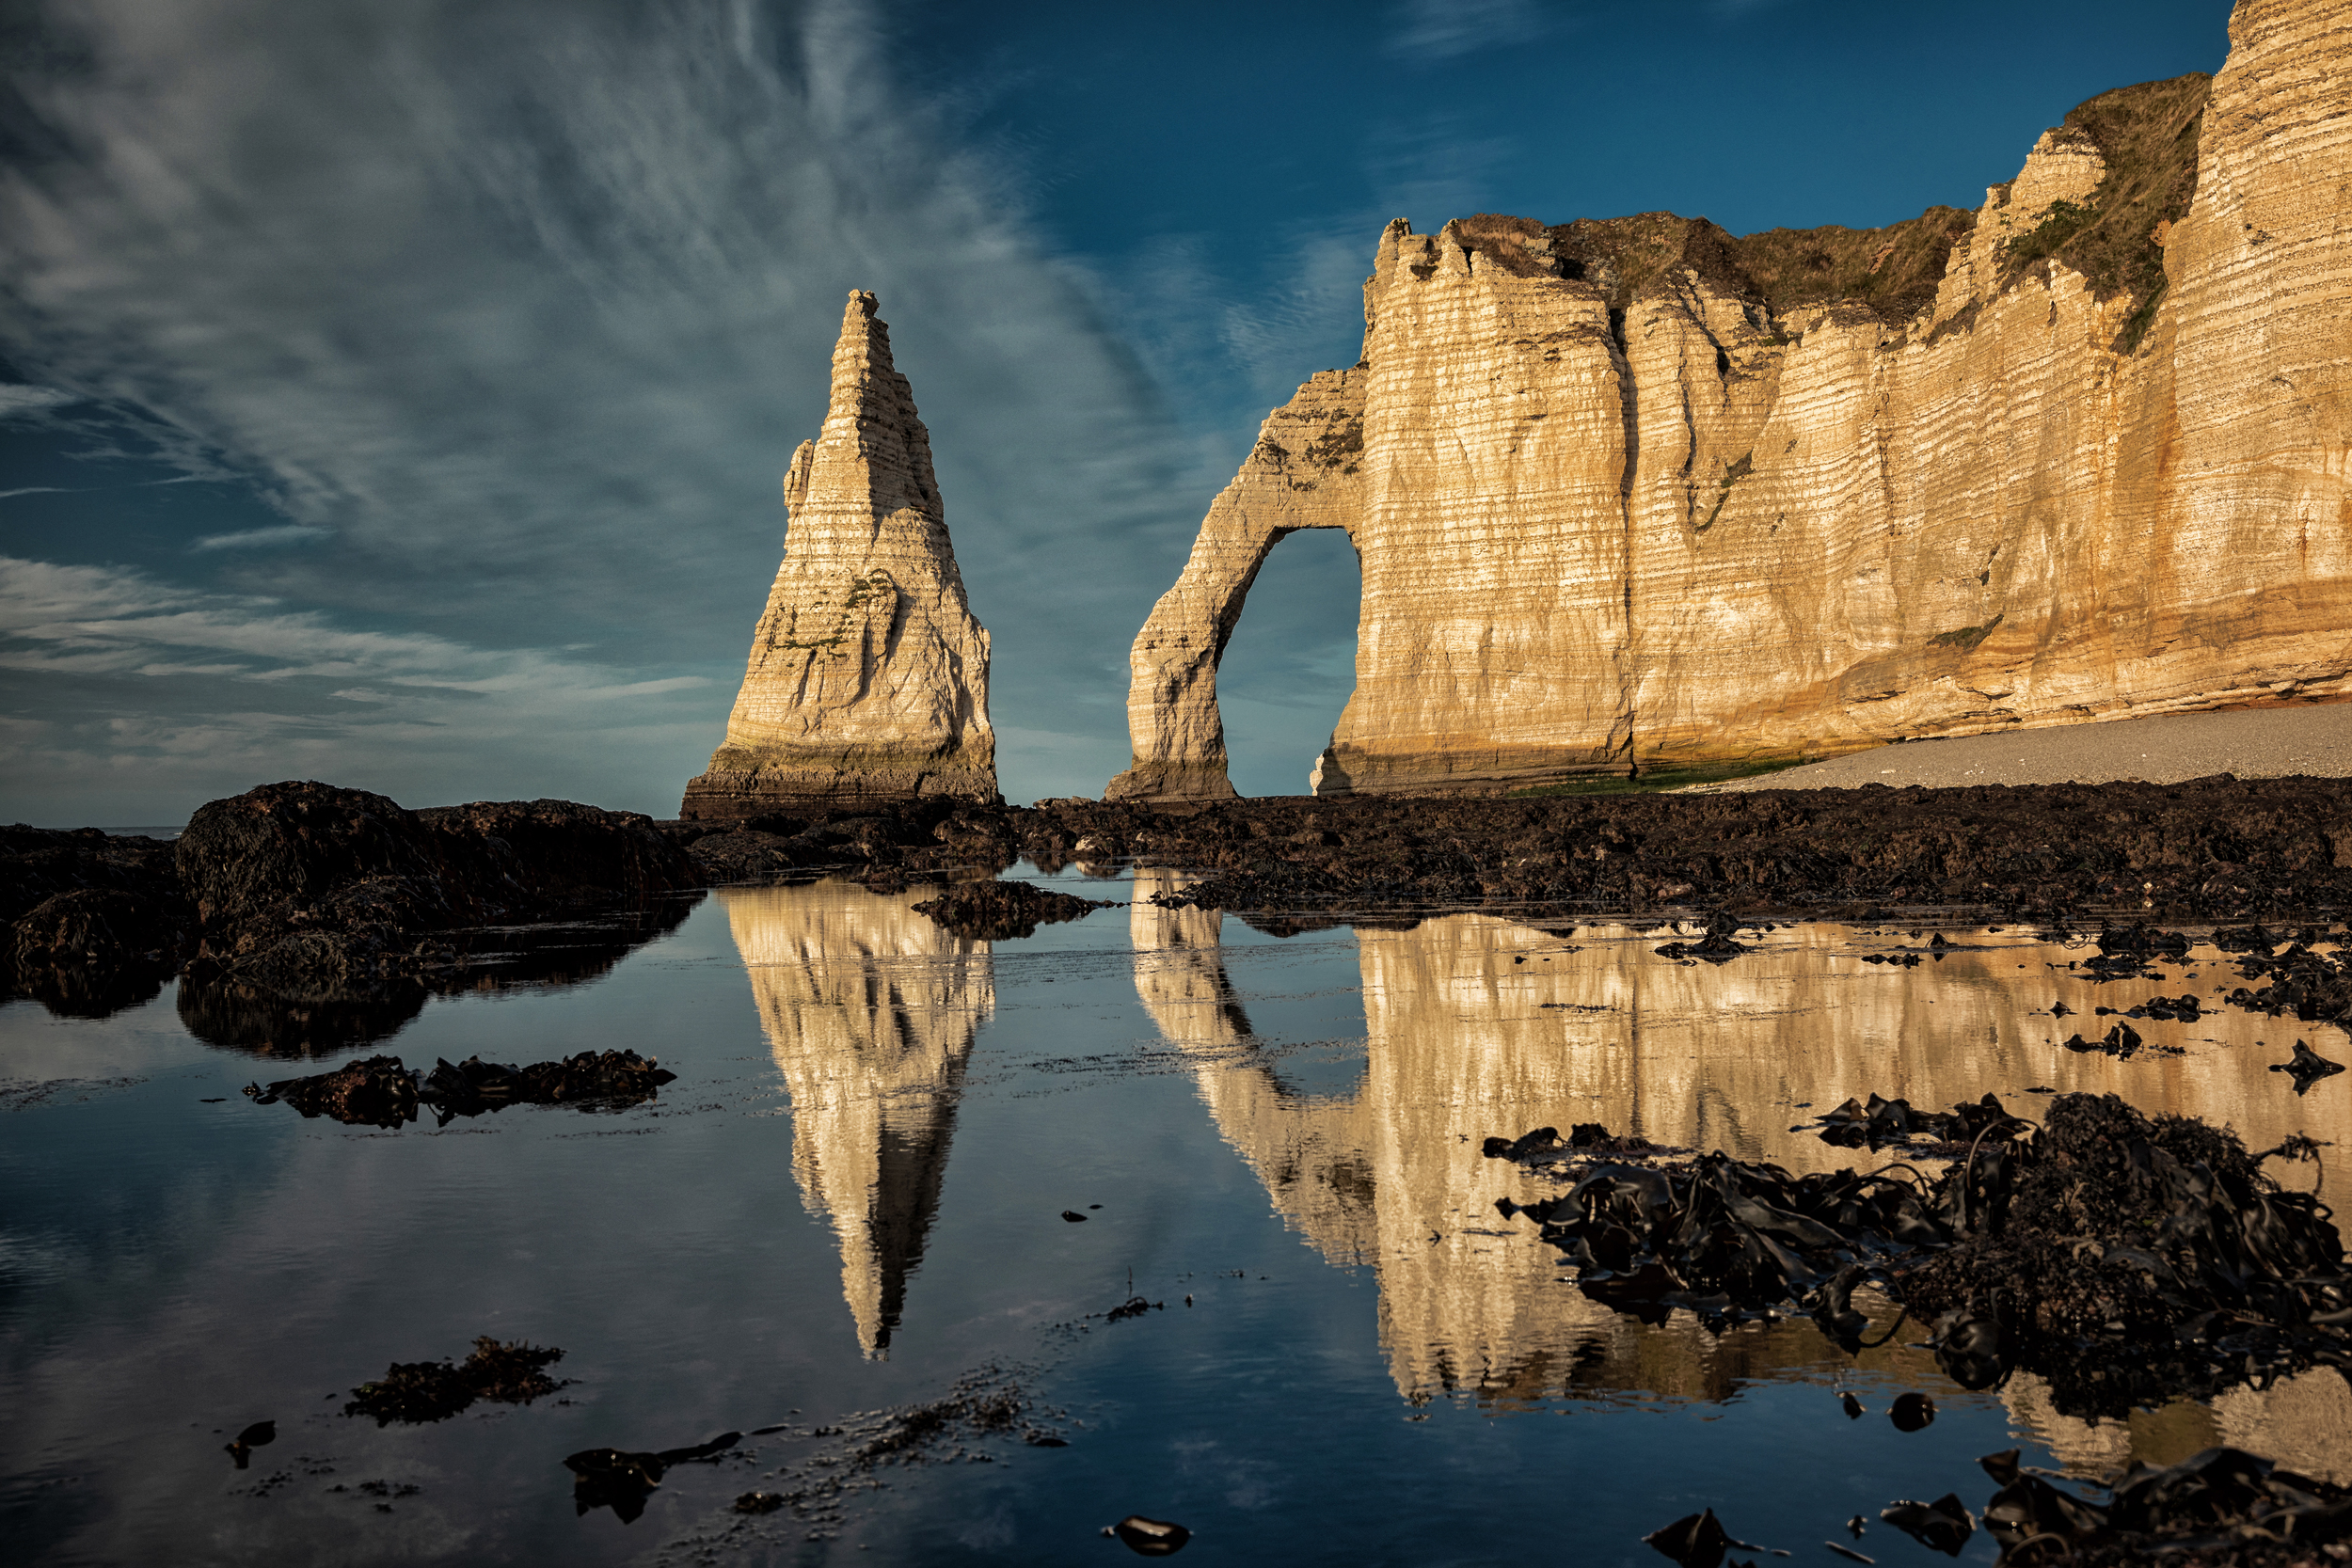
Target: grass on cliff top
(1651, 780)
(2146, 134)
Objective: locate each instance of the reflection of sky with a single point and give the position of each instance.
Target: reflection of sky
(1372, 1356)
(398, 394)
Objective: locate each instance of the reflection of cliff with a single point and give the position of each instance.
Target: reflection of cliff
(1308, 1150)
(1464, 1042)
(869, 1010)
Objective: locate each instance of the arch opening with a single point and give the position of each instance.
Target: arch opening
(1290, 664)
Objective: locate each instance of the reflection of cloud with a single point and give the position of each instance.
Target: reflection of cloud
(1443, 29)
(869, 1010)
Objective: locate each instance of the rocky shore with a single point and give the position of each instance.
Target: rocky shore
(305, 917)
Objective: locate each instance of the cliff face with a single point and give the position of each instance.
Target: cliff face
(1641, 494)
(869, 675)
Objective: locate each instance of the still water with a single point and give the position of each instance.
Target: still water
(851, 1202)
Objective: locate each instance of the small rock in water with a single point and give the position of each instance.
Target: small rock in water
(2307, 1066)
(1943, 1524)
(1150, 1537)
(420, 1391)
(1852, 1407)
(1073, 1217)
(241, 1447)
(1696, 1539)
(1911, 1412)
(759, 1502)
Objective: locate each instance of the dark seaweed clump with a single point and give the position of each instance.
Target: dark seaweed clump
(418, 1391)
(1003, 910)
(2127, 1259)
(380, 1091)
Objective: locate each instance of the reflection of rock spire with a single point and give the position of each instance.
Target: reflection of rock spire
(869, 1009)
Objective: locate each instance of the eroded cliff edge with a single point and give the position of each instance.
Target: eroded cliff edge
(1640, 493)
(868, 675)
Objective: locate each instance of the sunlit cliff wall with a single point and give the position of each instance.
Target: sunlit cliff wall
(1640, 493)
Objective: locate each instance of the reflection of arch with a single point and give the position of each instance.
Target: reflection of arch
(1302, 474)
(1464, 1043)
(869, 1010)
(1307, 1149)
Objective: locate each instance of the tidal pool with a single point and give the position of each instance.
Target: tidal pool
(851, 1202)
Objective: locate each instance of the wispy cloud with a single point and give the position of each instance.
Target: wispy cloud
(261, 538)
(514, 312)
(1443, 30)
(17, 399)
(244, 678)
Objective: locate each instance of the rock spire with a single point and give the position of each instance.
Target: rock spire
(869, 675)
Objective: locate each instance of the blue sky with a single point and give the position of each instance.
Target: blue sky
(396, 393)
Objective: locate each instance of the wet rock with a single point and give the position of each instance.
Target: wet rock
(378, 1092)
(1150, 1537)
(609, 1080)
(1717, 947)
(1003, 912)
(2307, 1067)
(759, 1502)
(420, 1391)
(259, 1435)
(1543, 1147)
(1073, 1217)
(2047, 850)
(381, 1092)
(1133, 1306)
(623, 1480)
(1878, 1122)
(1852, 1407)
(1695, 1541)
(1911, 1412)
(91, 922)
(2121, 1040)
(304, 887)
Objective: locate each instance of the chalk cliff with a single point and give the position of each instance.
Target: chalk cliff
(1638, 494)
(869, 675)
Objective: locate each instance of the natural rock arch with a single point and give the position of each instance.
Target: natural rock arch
(1303, 473)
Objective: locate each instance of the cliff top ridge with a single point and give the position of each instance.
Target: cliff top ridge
(2145, 136)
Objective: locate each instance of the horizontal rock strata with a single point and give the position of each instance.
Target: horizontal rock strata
(1637, 493)
(868, 675)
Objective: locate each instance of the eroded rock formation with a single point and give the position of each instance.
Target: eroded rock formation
(1640, 494)
(869, 675)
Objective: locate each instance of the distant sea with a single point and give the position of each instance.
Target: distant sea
(171, 832)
